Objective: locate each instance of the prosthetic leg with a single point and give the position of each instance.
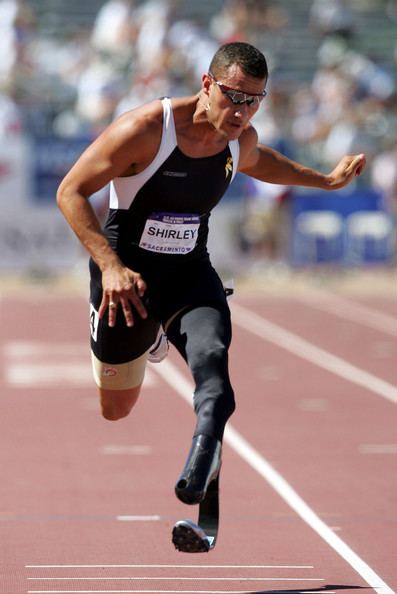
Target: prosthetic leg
(199, 484)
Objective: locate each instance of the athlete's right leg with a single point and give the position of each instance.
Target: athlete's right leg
(117, 404)
(119, 354)
(119, 385)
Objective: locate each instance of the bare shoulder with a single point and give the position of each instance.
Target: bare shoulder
(140, 127)
(145, 118)
(182, 104)
(248, 147)
(124, 148)
(183, 109)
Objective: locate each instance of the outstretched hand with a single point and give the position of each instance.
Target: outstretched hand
(122, 287)
(347, 168)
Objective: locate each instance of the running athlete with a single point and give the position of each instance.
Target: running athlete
(169, 162)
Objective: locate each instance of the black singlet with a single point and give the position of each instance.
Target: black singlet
(158, 225)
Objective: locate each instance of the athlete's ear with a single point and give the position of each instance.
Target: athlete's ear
(206, 80)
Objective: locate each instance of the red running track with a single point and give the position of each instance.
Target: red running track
(309, 479)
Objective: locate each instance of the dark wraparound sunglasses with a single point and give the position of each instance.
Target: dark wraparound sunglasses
(239, 97)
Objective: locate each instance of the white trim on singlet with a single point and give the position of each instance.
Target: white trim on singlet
(234, 147)
(124, 189)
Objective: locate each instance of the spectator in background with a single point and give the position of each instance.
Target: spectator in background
(343, 106)
(155, 18)
(332, 18)
(192, 43)
(10, 116)
(16, 30)
(99, 90)
(242, 20)
(384, 177)
(114, 30)
(75, 83)
(265, 225)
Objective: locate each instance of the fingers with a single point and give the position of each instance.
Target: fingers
(347, 168)
(354, 164)
(112, 312)
(113, 299)
(141, 286)
(103, 306)
(359, 164)
(136, 301)
(133, 296)
(109, 304)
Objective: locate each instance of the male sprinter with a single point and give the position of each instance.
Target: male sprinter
(169, 162)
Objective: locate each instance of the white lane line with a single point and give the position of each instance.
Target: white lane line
(165, 591)
(300, 347)
(138, 518)
(169, 566)
(48, 374)
(180, 384)
(36, 363)
(184, 578)
(122, 450)
(313, 404)
(378, 448)
(37, 349)
(352, 310)
(52, 374)
(154, 592)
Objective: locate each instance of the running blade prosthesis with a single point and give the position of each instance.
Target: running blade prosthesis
(199, 483)
(189, 537)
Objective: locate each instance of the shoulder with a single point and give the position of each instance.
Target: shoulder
(248, 142)
(139, 122)
(183, 109)
(134, 136)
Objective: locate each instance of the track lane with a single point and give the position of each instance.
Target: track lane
(69, 515)
(370, 349)
(322, 423)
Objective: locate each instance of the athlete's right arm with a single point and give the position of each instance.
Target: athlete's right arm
(127, 145)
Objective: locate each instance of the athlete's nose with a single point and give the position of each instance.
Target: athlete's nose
(241, 111)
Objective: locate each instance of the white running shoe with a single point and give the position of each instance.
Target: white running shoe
(160, 348)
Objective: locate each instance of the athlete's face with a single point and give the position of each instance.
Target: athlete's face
(233, 99)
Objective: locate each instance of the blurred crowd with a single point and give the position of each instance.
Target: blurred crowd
(137, 50)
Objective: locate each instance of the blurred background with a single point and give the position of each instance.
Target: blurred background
(68, 68)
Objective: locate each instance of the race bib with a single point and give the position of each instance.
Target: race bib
(94, 319)
(169, 233)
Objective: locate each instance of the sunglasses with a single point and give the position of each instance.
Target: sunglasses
(239, 97)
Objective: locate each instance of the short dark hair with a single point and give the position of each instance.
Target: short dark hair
(248, 57)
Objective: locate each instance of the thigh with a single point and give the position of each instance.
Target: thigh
(121, 343)
(185, 287)
(200, 331)
(119, 377)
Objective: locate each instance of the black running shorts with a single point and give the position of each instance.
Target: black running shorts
(170, 289)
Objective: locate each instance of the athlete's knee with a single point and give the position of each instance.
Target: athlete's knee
(211, 358)
(215, 397)
(117, 404)
(111, 413)
(230, 403)
(225, 403)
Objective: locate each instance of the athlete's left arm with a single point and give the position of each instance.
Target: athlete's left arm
(266, 164)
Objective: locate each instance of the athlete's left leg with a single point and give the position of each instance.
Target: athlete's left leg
(202, 335)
